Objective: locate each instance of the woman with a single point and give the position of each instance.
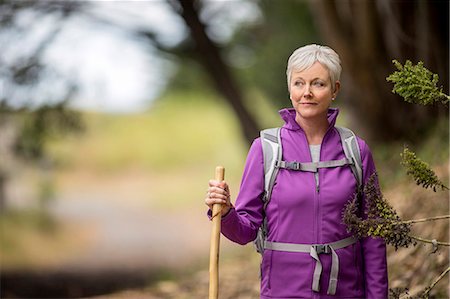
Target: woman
(306, 208)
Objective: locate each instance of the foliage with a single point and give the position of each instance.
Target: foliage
(420, 171)
(25, 131)
(269, 43)
(396, 293)
(379, 220)
(416, 84)
(180, 139)
(45, 123)
(256, 53)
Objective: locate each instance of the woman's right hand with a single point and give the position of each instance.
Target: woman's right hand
(218, 193)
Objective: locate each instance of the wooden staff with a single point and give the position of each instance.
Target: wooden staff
(215, 242)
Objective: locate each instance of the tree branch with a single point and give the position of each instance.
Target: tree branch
(429, 241)
(428, 289)
(220, 73)
(424, 219)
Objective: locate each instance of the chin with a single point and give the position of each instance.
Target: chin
(311, 113)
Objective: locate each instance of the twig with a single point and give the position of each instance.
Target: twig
(425, 219)
(431, 286)
(430, 241)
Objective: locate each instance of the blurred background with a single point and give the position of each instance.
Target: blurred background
(114, 114)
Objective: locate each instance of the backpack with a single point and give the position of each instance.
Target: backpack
(273, 152)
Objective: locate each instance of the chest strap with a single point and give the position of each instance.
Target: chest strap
(312, 166)
(314, 251)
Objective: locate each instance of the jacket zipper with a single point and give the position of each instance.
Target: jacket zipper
(316, 178)
(316, 204)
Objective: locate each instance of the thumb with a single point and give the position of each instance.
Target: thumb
(223, 185)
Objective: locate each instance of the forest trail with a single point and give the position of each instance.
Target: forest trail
(125, 232)
(120, 238)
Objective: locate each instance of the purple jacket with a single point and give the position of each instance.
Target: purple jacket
(297, 213)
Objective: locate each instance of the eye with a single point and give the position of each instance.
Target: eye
(298, 83)
(319, 84)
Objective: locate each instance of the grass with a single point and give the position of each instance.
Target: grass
(176, 145)
(178, 131)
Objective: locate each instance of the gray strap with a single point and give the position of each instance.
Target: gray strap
(314, 251)
(317, 269)
(332, 284)
(289, 247)
(293, 247)
(272, 151)
(313, 166)
(352, 151)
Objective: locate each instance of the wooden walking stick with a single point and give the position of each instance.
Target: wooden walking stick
(215, 242)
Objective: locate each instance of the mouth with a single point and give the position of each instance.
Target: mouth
(308, 103)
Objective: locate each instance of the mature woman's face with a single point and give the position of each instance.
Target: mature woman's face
(311, 91)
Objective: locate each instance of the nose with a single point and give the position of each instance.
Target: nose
(307, 92)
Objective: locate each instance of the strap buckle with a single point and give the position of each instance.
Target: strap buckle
(280, 164)
(294, 165)
(322, 248)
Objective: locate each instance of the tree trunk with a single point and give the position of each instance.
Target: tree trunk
(216, 68)
(368, 35)
(2, 193)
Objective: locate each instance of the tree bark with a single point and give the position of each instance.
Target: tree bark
(380, 31)
(2, 193)
(209, 56)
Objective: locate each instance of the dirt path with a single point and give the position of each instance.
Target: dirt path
(119, 233)
(130, 234)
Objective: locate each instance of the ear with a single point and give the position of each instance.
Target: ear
(337, 87)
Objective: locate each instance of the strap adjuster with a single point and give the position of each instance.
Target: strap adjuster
(292, 165)
(322, 248)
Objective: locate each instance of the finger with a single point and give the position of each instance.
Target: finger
(218, 195)
(211, 201)
(217, 190)
(227, 189)
(223, 184)
(214, 183)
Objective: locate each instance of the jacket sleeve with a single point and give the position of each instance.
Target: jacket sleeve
(373, 249)
(241, 224)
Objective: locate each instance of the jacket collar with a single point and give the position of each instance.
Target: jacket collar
(288, 115)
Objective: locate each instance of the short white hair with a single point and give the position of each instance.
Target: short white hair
(304, 57)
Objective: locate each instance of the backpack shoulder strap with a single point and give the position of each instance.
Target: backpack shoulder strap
(352, 152)
(272, 152)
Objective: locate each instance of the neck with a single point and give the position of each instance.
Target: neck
(314, 129)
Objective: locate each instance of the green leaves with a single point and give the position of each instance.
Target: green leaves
(416, 84)
(420, 171)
